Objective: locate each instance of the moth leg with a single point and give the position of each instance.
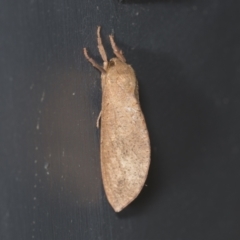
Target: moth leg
(96, 65)
(98, 119)
(101, 49)
(118, 52)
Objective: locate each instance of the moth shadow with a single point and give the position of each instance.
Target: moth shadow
(181, 122)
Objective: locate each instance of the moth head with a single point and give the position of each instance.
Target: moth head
(114, 62)
(118, 66)
(121, 74)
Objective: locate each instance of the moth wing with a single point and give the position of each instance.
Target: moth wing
(125, 152)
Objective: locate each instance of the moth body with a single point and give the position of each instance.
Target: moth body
(125, 145)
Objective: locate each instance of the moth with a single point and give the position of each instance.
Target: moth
(124, 145)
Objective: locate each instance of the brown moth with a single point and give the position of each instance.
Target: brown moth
(125, 146)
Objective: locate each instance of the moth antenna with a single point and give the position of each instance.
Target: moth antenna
(92, 61)
(101, 48)
(118, 52)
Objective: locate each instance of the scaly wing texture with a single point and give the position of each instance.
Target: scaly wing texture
(125, 151)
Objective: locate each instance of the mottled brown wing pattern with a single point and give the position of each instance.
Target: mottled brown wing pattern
(125, 150)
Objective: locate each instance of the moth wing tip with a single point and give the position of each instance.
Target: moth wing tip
(117, 205)
(117, 209)
(120, 206)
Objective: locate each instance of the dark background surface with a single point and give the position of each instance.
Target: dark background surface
(186, 55)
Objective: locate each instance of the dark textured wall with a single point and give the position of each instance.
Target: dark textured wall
(186, 55)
